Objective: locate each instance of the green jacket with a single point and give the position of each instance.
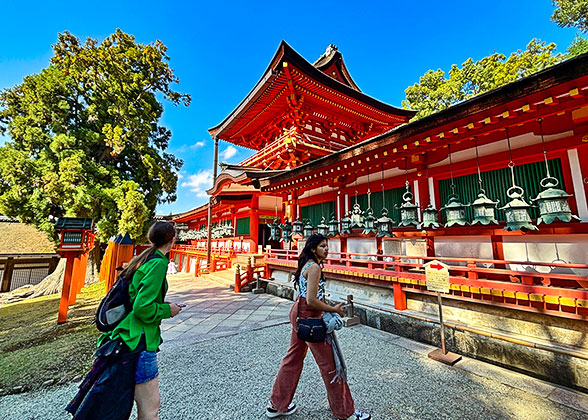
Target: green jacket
(148, 295)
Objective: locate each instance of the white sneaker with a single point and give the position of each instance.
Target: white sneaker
(358, 415)
(271, 412)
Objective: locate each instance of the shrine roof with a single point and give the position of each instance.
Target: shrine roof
(491, 111)
(269, 96)
(241, 178)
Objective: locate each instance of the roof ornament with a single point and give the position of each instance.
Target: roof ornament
(331, 49)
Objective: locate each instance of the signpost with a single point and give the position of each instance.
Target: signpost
(437, 278)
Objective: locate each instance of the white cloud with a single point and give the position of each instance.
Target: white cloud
(197, 145)
(199, 182)
(228, 153)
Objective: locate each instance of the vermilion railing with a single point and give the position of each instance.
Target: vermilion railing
(247, 275)
(556, 288)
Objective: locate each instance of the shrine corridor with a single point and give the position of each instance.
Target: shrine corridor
(222, 352)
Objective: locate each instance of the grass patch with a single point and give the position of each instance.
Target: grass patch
(35, 349)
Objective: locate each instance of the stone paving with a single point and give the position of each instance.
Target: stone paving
(222, 352)
(215, 311)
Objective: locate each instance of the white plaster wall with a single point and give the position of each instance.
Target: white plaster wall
(463, 247)
(268, 202)
(361, 245)
(334, 246)
(546, 248)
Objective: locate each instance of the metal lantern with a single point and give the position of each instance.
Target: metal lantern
(553, 203)
(322, 227)
(274, 230)
(286, 231)
(297, 227)
(430, 217)
(370, 223)
(333, 227)
(346, 224)
(517, 211)
(308, 229)
(408, 210)
(385, 224)
(484, 210)
(454, 212)
(356, 216)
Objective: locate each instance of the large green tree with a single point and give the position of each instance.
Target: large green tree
(571, 13)
(436, 91)
(85, 138)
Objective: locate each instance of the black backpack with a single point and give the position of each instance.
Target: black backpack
(116, 305)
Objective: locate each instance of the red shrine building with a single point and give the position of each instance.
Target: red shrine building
(495, 187)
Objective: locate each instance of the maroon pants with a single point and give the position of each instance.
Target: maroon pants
(338, 393)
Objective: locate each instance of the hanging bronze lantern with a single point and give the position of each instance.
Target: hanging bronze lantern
(274, 230)
(357, 216)
(286, 231)
(454, 212)
(553, 203)
(517, 211)
(484, 210)
(385, 224)
(454, 209)
(308, 229)
(430, 217)
(370, 223)
(297, 228)
(408, 210)
(346, 224)
(333, 227)
(322, 227)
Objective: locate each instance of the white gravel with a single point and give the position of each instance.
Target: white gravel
(231, 378)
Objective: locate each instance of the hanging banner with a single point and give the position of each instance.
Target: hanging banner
(437, 276)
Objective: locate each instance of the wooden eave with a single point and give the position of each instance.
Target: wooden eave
(554, 90)
(263, 88)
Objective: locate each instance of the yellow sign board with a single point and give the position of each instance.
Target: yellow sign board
(437, 276)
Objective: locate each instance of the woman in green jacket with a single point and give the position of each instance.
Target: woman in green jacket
(147, 293)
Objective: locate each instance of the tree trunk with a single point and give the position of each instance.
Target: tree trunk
(53, 283)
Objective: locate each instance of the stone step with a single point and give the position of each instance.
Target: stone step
(243, 259)
(224, 278)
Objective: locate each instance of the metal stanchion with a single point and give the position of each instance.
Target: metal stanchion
(350, 318)
(258, 289)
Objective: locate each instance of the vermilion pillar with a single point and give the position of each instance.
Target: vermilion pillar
(254, 220)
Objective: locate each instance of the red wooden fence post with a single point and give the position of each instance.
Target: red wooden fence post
(237, 279)
(65, 292)
(399, 297)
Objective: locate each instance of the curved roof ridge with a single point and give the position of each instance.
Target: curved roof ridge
(332, 57)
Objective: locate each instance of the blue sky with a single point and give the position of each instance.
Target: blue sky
(220, 49)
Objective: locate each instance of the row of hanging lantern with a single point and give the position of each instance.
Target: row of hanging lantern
(552, 203)
(222, 230)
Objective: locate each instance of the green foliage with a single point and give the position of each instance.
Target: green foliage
(571, 13)
(578, 46)
(436, 92)
(85, 136)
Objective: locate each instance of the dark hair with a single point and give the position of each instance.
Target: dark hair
(306, 254)
(160, 233)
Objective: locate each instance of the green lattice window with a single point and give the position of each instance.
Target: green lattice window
(242, 226)
(316, 211)
(497, 182)
(391, 197)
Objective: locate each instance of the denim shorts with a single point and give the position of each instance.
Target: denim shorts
(146, 367)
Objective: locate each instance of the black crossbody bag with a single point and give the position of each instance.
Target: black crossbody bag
(311, 330)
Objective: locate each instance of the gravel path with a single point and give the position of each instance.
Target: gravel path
(231, 378)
